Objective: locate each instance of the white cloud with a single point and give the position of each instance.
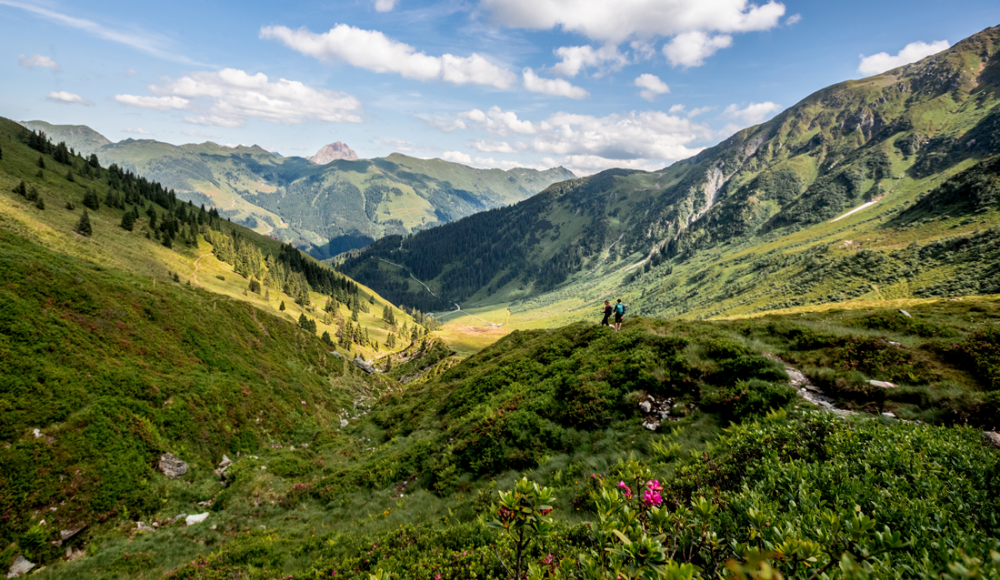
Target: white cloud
(492, 146)
(68, 98)
(457, 157)
(148, 42)
(498, 121)
(753, 113)
(692, 48)
(554, 87)
(385, 5)
(589, 164)
(36, 60)
(446, 125)
(138, 131)
(130, 73)
(698, 111)
(883, 61)
(200, 134)
(618, 21)
(158, 103)
(793, 19)
(575, 58)
(652, 86)
(372, 50)
(396, 144)
(235, 96)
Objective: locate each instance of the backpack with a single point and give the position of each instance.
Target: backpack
(620, 309)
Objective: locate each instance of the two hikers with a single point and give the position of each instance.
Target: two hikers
(618, 310)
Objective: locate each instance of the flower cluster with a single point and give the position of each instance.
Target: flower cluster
(651, 495)
(625, 489)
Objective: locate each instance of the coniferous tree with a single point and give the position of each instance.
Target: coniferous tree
(167, 242)
(282, 307)
(40, 203)
(41, 162)
(90, 200)
(93, 162)
(70, 205)
(83, 226)
(128, 221)
(326, 338)
(69, 175)
(21, 189)
(32, 194)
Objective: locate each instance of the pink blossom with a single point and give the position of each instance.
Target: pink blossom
(625, 489)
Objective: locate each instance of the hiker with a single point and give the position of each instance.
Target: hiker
(607, 313)
(619, 314)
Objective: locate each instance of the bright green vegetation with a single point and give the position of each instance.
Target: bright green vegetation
(323, 209)
(756, 223)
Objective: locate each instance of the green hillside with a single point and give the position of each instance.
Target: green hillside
(758, 222)
(323, 209)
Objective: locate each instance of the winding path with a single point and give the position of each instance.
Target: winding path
(197, 265)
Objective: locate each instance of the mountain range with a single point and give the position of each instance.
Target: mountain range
(883, 187)
(325, 205)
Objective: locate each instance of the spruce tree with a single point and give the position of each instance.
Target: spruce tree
(21, 189)
(41, 162)
(326, 338)
(32, 194)
(69, 175)
(40, 203)
(90, 200)
(282, 307)
(303, 321)
(83, 226)
(128, 221)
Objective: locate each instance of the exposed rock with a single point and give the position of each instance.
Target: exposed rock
(645, 406)
(142, 527)
(69, 533)
(992, 437)
(176, 519)
(332, 152)
(336, 354)
(889, 414)
(20, 567)
(361, 364)
(196, 518)
(36, 432)
(206, 503)
(172, 466)
(883, 384)
(343, 423)
(656, 411)
(72, 554)
(223, 466)
(905, 313)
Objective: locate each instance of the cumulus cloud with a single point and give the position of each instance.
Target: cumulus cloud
(385, 5)
(492, 146)
(457, 157)
(554, 87)
(652, 86)
(68, 98)
(138, 131)
(692, 48)
(498, 121)
(575, 58)
(618, 21)
(157, 103)
(753, 113)
(883, 61)
(36, 60)
(372, 50)
(233, 96)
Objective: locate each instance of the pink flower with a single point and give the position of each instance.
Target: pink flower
(546, 512)
(625, 489)
(438, 577)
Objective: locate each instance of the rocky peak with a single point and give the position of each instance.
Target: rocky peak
(332, 152)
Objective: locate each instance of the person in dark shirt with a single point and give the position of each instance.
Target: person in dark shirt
(607, 313)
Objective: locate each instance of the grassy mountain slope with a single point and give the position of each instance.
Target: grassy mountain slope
(325, 209)
(750, 224)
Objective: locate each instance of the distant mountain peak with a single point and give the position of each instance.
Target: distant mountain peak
(332, 152)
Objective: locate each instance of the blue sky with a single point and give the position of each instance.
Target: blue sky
(587, 84)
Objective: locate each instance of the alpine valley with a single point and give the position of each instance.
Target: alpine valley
(217, 363)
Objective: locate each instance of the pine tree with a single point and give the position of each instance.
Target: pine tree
(41, 162)
(83, 226)
(40, 203)
(303, 321)
(69, 175)
(282, 307)
(32, 194)
(93, 162)
(90, 200)
(128, 221)
(326, 338)
(21, 189)
(177, 278)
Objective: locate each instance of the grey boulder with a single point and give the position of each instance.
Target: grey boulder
(172, 466)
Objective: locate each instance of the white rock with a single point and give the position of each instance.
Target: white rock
(172, 466)
(142, 527)
(196, 518)
(992, 437)
(226, 462)
(343, 423)
(37, 433)
(67, 534)
(19, 567)
(645, 406)
(888, 414)
(883, 384)
(905, 313)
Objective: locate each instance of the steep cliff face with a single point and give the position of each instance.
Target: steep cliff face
(332, 152)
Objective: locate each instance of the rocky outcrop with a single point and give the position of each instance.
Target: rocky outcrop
(332, 152)
(20, 567)
(363, 365)
(196, 518)
(992, 437)
(172, 466)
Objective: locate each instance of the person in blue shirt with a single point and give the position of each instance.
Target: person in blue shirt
(619, 314)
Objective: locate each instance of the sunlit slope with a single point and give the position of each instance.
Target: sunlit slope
(757, 222)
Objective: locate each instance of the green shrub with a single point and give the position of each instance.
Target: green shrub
(748, 399)
(982, 350)
(896, 322)
(876, 358)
